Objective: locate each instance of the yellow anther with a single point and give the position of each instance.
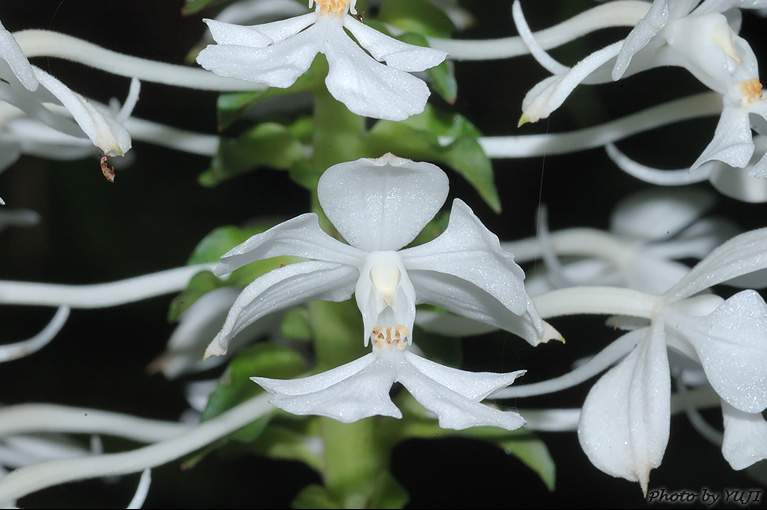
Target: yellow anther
(751, 90)
(334, 7)
(387, 336)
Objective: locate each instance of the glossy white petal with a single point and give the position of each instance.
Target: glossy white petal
(14, 63)
(298, 237)
(396, 54)
(732, 141)
(381, 204)
(549, 94)
(282, 288)
(731, 344)
(644, 31)
(103, 131)
(739, 256)
(745, 437)
(275, 65)
(366, 86)
(469, 251)
(463, 298)
(624, 423)
(258, 36)
(347, 393)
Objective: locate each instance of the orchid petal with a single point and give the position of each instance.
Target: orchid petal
(277, 65)
(469, 251)
(745, 437)
(740, 184)
(731, 343)
(740, 255)
(381, 204)
(367, 87)
(732, 142)
(475, 386)
(299, 237)
(348, 393)
(396, 54)
(624, 425)
(280, 289)
(103, 131)
(454, 410)
(258, 36)
(644, 31)
(549, 94)
(466, 299)
(12, 59)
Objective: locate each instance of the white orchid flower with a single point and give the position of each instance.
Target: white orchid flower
(624, 424)
(58, 112)
(277, 53)
(701, 39)
(379, 206)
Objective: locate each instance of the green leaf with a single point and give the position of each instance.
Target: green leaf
(521, 443)
(416, 16)
(199, 285)
(283, 441)
(232, 105)
(268, 144)
(445, 351)
(315, 496)
(235, 387)
(194, 6)
(210, 249)
(417, 138)
(296, 324)
(441, 77)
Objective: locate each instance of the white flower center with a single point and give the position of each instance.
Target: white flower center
(385, 279)
(334, 7)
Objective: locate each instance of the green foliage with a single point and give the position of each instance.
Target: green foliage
(417, 17)
(235, 387)
(387, 493)
(194, 6)
(521, 443)
(267, 144)
(210, 249)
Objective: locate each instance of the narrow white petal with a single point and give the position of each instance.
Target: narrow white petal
(103, 131)
(647, 28)
(732, 142)
(258, 36)
(739, 184)
(745, 437)
(277, 65)
(381, 204)
(280, 289)
(739, 256)
(475, 386)
(397, 54)
(469, 251)
(661, 177)
(549, 94)
(314, 383)
(624, 424)
(141, 490)
(348, 393)
(466, 299)
(12, 59)
(454, 410)
(298, 237)
(731, 343)
(366, 86)
(536, 50)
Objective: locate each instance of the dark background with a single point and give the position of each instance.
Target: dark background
(154, 214)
